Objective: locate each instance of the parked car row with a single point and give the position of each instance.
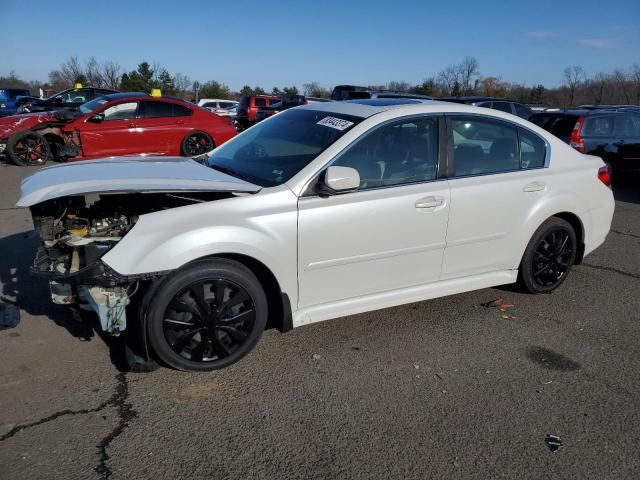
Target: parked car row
(68, 124)
(117, 124)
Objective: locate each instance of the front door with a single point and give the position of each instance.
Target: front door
(387, 235)
(116, 135)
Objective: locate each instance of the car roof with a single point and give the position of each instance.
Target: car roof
(368, 107)
(118, 96)
(584, 112)
(474, 98)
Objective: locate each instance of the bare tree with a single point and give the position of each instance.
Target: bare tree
(399, 86)
(597, 85)
(573, 77)
(635, 79)
(93, 74)
(468, 72)
(110, 74)
(314, 89)
(448, 78)
(621, 82)
(183, 84)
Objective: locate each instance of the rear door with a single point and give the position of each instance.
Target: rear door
(494, 189)
(115, 135)
(628, 130)
(157, 128)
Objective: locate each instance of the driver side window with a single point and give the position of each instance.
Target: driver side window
(121, 111)
(396, 154)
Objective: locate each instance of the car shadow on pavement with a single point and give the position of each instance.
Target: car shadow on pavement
(31, 294)
(627, 190)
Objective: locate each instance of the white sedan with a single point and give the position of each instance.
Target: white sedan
(321, 211)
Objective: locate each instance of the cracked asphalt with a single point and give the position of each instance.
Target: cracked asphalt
(441, 389)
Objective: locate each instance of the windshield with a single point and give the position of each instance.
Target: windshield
(270, 153)
(92, 105)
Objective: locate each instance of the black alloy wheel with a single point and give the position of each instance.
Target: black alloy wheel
(552, 258)
(209, 320)
(196, 144)
(549, 256)
(28, 149)
(207, 315)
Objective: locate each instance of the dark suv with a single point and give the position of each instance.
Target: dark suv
(501, 104)
(70, 98)
(8, 98)
(612, 134)
(248, 108)
(354, 92)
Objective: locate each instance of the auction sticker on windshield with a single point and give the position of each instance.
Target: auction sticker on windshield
(337, 123)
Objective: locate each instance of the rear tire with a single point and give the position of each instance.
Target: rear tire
(207, 315)
(549, 257)
(197, 143)
(28, 149)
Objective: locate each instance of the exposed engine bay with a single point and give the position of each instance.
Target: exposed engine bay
(77, 231)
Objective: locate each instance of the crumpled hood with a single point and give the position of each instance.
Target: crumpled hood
(127, 174)
(18, 123)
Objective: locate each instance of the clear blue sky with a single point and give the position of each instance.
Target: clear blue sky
(331, 42)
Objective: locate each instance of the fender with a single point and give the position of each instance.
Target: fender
(263, 227)
(549, 206)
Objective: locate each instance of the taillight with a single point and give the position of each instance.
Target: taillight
(604, 175)
(576, 140)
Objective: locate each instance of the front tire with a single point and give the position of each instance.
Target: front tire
(549, 257)
(28, 149)
(207, 315)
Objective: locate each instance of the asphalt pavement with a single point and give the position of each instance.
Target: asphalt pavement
(446, 388)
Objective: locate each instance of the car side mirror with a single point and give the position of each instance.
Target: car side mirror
(340, 180)
(57, 100)
(97, 118)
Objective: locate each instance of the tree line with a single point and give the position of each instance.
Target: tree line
(620, 86)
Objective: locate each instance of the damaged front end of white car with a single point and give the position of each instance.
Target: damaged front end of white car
(82, 211)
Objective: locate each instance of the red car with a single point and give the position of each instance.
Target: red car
(248, 108)
(113, 125)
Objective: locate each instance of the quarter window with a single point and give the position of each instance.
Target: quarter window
(395, 154)
(260, 102)
(121, 111)
(532, 149)
(181, 111)
(482, 146)
(628, 125)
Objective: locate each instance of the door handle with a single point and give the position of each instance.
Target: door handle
(132, 125)
(429, 202)
(180, 122)
(535, 187)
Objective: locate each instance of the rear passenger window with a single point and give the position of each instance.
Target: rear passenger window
(533, 149)
(157, 109)
(502, 106)
(598, 126)
(522, 111)
(181, 111)
(482, 146)
(396, 154)
(260, 102)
